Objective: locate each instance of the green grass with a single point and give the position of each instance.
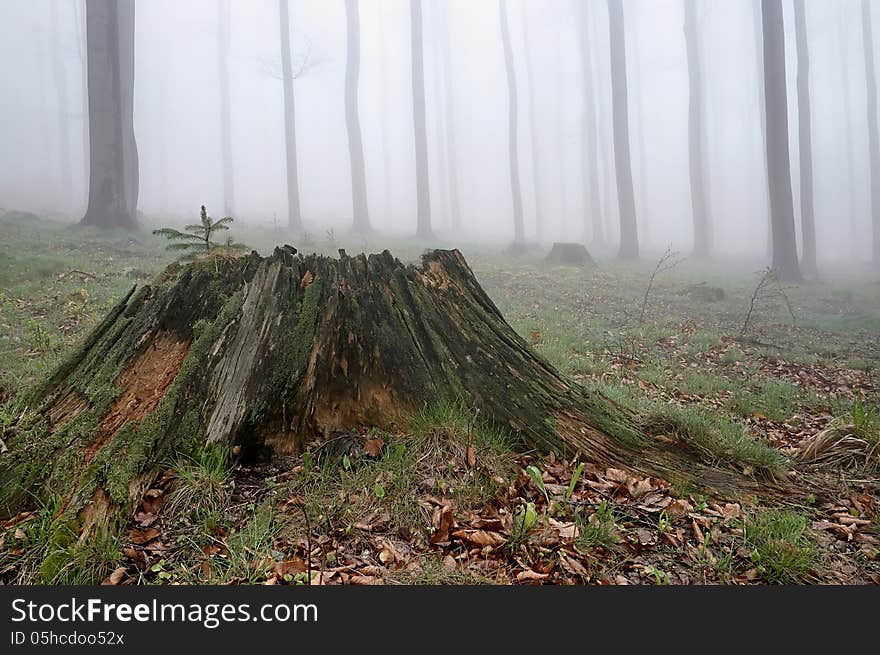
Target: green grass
(780, 543)
(718, 439)
(201, 484)
(596, 529)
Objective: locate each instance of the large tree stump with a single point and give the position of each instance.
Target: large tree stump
(276, 351)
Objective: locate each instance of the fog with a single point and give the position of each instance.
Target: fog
(177, 117)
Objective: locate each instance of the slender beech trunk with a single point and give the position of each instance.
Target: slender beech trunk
(423, 187)
(294, 210)
(592, 207)
(512, 126)
(873, 130)
(785, 259)
(805, 142)
(59, 75)
(223, 36)
(629, 231)
(846, 93)
(757, 15)
(113, 180)
(449, 110)
(361, 221)
(696, 114)
(533, 129)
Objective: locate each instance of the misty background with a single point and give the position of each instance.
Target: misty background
(177, 117)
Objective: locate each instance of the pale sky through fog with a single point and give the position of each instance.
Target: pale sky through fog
(177, 113)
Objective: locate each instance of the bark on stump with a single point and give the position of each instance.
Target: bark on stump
(281, 350)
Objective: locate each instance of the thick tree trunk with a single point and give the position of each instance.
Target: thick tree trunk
(113, 179)
(629, 233)
(361, 217)
(423, 187)
(805, 142)
(294, 211)
(272, 353)
(592, 207)
(533, 128)
(873, 128)
(224, 34)
(696, 161)
(785, 259)
(512, 127)
(843, 39)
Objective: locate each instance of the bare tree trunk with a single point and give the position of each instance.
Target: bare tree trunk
(80, 15)
(441, 215)
(696, 113)
(785, 259)
(873, 135)
(846, 92)
(223, 36)
(113, 183)
(762, 115)
(629, 231)
(294, 211)
(592, 207)
(449, 110)
(423, 186)
(59, 74)
(533, 129)
(642, 209)
(512, 126)
(361, 220)
(805, 142)
(386, 124)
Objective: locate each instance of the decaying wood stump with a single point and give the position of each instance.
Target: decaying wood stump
(276, 351)
(570, 254)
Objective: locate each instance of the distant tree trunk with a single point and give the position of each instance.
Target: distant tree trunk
(592, 208)
(559, 133)
(873, 131)
(513, 127)
(785, 259)
(696, 112)
(843, 41)
(385, 91)
(533, 129)
(59, 74)
(80, 15)
(757, 15)
(423, 187)
(113, 183)
(449, 110)
(642, 209)
(439, 116)
(223, 36)
(361, 222)
(294, 211)
(629, 234)
(805, 142)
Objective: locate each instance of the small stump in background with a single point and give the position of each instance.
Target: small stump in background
(570, 254)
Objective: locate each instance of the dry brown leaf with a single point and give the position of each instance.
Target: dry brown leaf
(679, 508)
(444, 523)
(364, 580)
(374, 446)
(141, 537)
(529, 575)
(471, 457)
(480, 537)
(116, 577)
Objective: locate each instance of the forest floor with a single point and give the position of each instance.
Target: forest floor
(449, 501)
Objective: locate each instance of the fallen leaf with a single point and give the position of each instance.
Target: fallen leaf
(471, 457)
(528, 574)
(679, 508)
(374, 446)
(443, 524)
(116, 577)
(480, 537)
(141, 537)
